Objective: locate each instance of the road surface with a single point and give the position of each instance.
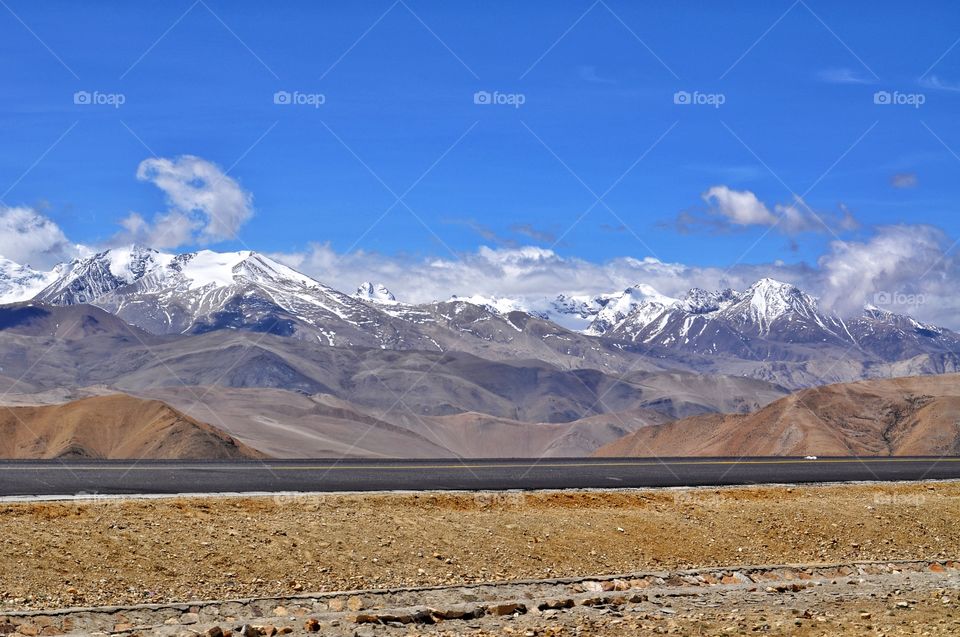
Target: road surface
(22, 478)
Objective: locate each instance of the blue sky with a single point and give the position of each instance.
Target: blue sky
(597, 80)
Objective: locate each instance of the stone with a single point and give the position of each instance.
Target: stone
(510, 608)
(311, 625)
(216, 631)
(355, 604)
(189, 618)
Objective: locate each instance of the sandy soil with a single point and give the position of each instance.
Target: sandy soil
(103, 552)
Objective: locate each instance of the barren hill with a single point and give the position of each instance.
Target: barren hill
(903, 416)
(112, 427)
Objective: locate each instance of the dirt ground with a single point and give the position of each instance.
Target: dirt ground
(102, 552)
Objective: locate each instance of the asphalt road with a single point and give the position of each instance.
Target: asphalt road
(165, 477)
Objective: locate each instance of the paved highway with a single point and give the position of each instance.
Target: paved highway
(165, 477)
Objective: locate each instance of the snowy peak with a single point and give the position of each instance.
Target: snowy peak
(700, 301)
(768, 300)
(21, 282)
(375, 293)
(640, 301)
(89, 278)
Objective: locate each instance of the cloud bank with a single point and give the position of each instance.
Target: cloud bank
(896, 262)
(204, 205)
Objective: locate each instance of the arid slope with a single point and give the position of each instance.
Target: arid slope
(902, 416)
(112, 427)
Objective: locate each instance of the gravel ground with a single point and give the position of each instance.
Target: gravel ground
(102, 552)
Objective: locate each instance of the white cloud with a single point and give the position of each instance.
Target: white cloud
(205, 205)
(29, 238)
(906, 261)
(935, 82)
(844, 76)
(740, 207)
(528, 271)
(904, 180)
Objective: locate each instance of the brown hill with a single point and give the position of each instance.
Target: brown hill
(901, 416)
(112, 427)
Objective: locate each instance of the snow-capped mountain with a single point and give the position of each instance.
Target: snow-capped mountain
(203, 291)
(21, 282)
(771, 320)
(589, 314)
(743, 324)
(771, 330)
(375, 292)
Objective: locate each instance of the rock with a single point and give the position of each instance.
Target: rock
(216, 631)
(123, 628)
(248, 631)
(311, 625)
(280, 611)
(552, 604)
(336, 604)
(189, 618)
(355, 603)
(499, 610)
(28, 629)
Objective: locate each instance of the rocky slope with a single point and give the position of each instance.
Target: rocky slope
(112, 427)
(901, 416)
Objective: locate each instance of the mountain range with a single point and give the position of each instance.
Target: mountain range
(293, 367)
(772, 330)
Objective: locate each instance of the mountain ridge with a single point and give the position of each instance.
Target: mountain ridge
(772, 330)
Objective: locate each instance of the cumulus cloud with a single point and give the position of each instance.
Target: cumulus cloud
(731, 210)
(29, 238)
(911, 262)
(205, 205)
(740, 207)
